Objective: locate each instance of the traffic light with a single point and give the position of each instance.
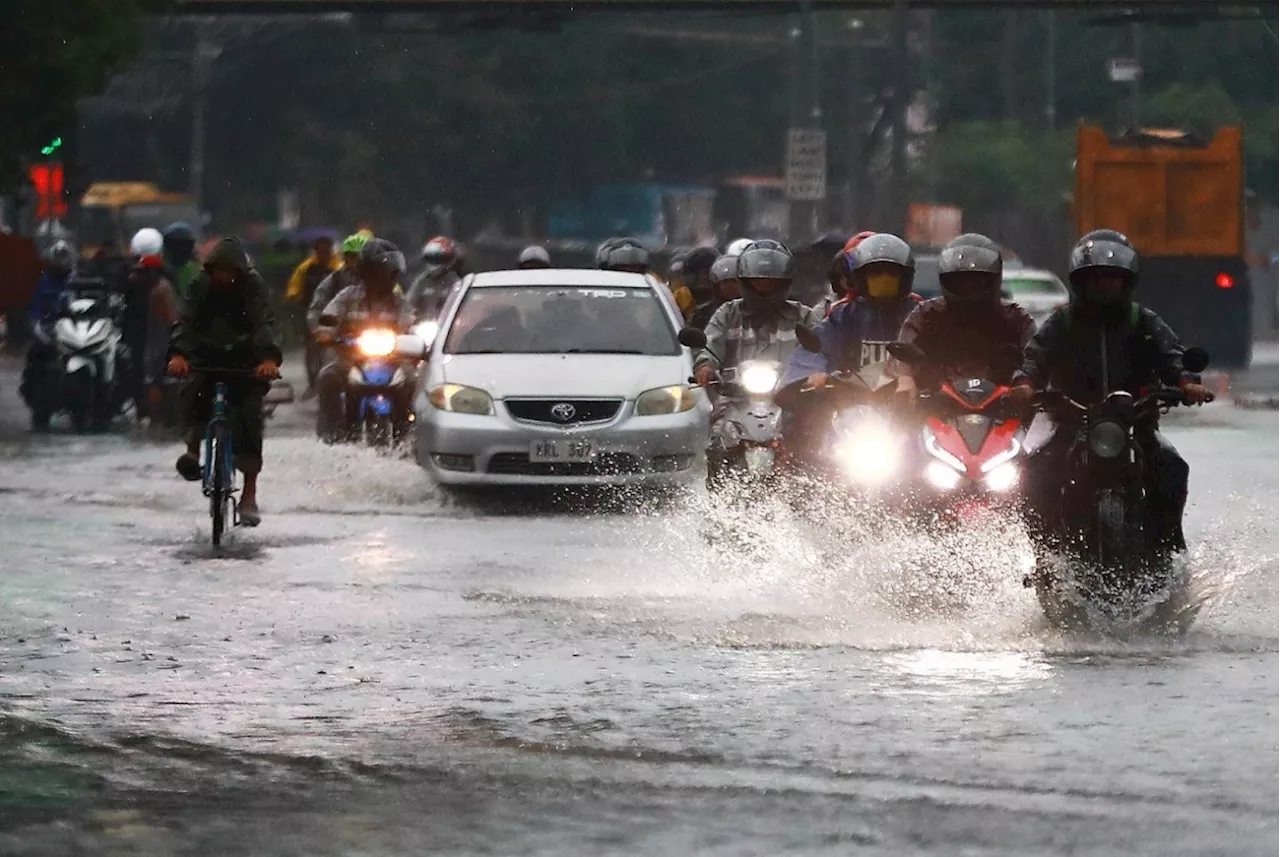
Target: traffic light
(54, 145)
(48, 180)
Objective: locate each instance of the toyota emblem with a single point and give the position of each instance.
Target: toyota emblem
(563, 411)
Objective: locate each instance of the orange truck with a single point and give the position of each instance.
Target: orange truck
(1180, 199)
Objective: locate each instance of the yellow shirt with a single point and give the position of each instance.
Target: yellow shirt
(297, 288)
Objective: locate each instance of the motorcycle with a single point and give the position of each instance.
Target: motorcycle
(376, 398)
(970, 446)
(1119, 555)
(82, 352)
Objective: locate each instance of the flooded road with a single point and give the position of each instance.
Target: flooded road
(382, 670)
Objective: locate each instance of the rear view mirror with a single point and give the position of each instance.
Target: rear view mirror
(908, 352)
(808, 339)
(1195, 359)
(413, 347)
(691, 337)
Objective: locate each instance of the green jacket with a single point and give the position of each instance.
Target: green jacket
(227, 328)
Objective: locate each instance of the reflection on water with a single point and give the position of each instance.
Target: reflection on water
(938, 673)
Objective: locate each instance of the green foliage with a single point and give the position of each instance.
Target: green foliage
(989, 167)
(53, 52)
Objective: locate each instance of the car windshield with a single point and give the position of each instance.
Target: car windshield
(1031, 285)
(561, 320)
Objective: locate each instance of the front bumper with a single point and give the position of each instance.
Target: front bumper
(463, 449)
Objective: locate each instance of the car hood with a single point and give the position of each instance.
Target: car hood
(564, 375)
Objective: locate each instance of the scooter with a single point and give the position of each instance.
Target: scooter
(376, 398)
(78, 370)
(1119, 553)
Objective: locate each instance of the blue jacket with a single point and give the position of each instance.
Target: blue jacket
(48, 297)
(853, 335)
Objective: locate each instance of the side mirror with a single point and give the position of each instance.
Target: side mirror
(908, 352)
(691, 337)
(808, 339)
(413, 347)
(1195, 359)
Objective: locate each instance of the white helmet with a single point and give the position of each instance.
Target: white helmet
(736, 248)
(147, 242)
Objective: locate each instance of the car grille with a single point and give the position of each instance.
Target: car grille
(545, 410)
(518, 464)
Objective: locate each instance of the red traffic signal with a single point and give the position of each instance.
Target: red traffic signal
(48, 179)
(1225, 280)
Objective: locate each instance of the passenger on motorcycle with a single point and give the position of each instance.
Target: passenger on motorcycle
(374, 298)
(695, 275)
(534, 256)
(968, 332)
(724, 288)
(840, 272)
(151, 311)
(1102, 341)
(226, 322)
(856, 333)
(442, 260)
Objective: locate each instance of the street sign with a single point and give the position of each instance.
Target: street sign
(806, 164)
(1123, 69)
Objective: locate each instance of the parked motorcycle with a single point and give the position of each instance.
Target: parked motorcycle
(1119, 553)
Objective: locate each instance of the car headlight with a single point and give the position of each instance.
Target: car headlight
(461, 400)
(665, 400)
(376, 342)
(758, 378)
(426, 331)
(1002, 478)
(870, 457)
(941, 476)
(1107, 439)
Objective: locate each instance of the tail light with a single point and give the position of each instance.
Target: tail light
(1225, 280)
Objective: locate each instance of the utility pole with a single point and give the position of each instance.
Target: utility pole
(1051, 70)
(203, 56)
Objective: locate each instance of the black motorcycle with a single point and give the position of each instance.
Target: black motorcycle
(1118, 550)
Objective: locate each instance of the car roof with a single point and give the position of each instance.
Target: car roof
(585, 277)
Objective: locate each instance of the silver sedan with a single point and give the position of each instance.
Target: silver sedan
(551, 377)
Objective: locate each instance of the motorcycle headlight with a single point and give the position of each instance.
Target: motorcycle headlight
(1002, 478)
(1107, 439)
(941, 476)
(376, 342)
(758, 378)
(870, 457)
(935, 449)
(665, 400)
(461, 400)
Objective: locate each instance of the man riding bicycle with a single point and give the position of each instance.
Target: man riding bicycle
(226, 323)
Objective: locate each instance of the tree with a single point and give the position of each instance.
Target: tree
(53, 52)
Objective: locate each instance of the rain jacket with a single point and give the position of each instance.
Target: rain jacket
(964, 343)
(1086, 357)
(306, 278)
(429, 292)
(735, 334)
(329, 289)
(855, 334)
(231, 328)
(48, 297)
(352, 308)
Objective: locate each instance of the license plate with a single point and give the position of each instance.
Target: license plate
(562, 449)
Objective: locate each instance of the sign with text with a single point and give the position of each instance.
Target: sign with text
(806, 164)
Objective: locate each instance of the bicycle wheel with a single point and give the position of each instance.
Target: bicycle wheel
(220, 496)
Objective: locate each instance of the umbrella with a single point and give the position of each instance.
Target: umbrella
(314, 233)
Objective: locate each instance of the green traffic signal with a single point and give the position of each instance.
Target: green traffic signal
(54, 145)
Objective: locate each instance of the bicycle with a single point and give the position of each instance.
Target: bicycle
(218, 475)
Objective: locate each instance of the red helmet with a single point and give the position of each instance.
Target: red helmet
(852, 243)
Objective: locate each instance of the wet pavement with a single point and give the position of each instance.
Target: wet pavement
(380, 669)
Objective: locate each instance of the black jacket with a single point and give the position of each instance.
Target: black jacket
(1086, 357)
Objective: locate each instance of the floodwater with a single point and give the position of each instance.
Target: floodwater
(380, 669)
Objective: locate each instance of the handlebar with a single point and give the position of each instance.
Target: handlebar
(1162, 399)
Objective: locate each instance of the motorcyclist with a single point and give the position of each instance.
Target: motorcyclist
(725, 287)
(534, 256)
(302, 288)
(840, 272)
(150, 312)
(226, 322)
(345, 276)
(50, 295)
(442, 260)
(180, 256)
(968, 332)
(696, 277)
(1103, 341)
(374, 298)
(855, 334)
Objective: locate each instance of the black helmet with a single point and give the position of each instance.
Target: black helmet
(970, 274)
(700, 259)
(1103, 249)
(179, 232)
(972, 239)
(61, 257)
(675, 268)
(883, 248)
(625, 254)
(379, 253)
(765, 260)
(724, 268)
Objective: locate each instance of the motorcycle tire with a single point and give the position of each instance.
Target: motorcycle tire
(79, 390)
